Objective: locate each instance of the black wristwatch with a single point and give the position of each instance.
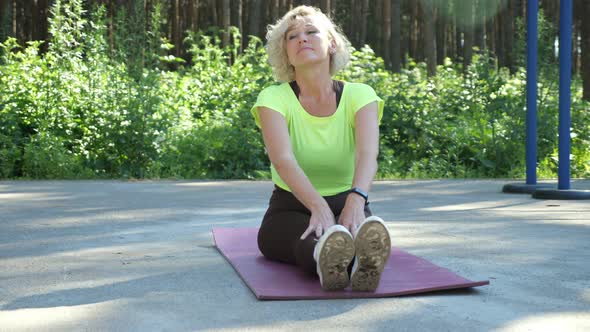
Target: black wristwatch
(360, 193)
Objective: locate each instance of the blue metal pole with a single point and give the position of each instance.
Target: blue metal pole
(531, 93)
(565, 73)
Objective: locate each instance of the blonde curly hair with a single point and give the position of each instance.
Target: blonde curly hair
(275, 47)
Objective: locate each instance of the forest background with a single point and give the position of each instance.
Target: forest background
(162, 89)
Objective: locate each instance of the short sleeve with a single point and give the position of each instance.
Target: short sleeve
(269, 97)
(364, 95)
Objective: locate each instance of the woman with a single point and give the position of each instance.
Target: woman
(322, 139)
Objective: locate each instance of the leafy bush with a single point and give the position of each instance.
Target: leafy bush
(90, 109)
(46, 157)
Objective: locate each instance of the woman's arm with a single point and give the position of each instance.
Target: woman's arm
(278, 145)
(365, 164)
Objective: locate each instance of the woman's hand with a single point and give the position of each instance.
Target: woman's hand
(353, 213)
(321, 219)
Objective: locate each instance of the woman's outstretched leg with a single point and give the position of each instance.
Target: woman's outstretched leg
(279, 239)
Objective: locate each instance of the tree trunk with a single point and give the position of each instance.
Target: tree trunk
(213, 10)
(524, 5)
(264, 16)
(176, 33)
(501, 40)
(428, 13)
(451, 38)
(333, 8)
(509, 33)
(375, 27)
(518, 7)
(405, 25)
(387, 32)
(364, 17)
(440, 31)
(585, 34)
(236, 19)
(34, 16)
(574, 47)
(274, 10)
(219, 8)
(467, 47)
(286, 5)
(551, 10)
(225, 22)
(478, 33)
(491, 34)
(14, 20)
(4, 8)
(576, 39)
(396, 31)
(352, 22)
(325, 6)
(5, 19)
(43, 23)
(254, 17)
(24, 21)
(413, 33)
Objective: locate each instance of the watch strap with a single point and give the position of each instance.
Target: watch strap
(360, 193)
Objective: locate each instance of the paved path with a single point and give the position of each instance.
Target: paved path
(138, 256)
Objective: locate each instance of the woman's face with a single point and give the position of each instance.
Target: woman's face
(307, 43)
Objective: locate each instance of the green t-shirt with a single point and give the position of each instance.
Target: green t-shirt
(323, 146)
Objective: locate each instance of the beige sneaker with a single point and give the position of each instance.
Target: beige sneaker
(373, 246)
(333, 253)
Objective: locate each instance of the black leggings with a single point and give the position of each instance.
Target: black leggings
(284, 222)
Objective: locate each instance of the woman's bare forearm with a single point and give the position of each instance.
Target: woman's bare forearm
(366, 150)
(364, 170)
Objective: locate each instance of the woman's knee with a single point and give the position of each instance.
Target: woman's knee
(263, 244)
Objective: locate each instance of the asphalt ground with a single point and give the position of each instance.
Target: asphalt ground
(139, 256)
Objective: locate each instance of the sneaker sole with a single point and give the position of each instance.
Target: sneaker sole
(373, 247)
(335, 255)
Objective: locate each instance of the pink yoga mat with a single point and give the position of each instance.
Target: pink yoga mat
(268, 280)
